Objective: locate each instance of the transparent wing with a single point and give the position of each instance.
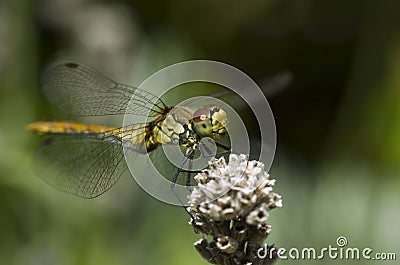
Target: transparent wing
(270, 86)
(79, 90)
(84, 166)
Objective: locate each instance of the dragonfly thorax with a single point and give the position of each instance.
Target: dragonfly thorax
(174, 126)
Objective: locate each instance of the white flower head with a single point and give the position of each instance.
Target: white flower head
(227, 191)
(232, 203)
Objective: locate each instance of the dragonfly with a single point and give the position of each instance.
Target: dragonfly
(88, 159)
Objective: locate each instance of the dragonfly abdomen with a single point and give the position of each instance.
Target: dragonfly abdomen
(67, 127)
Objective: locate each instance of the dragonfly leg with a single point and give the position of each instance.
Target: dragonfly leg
(181, 203)
(189, 172)
(205, 150)
(189, 154)
(188, 176)
(226, 148)
(175, 177)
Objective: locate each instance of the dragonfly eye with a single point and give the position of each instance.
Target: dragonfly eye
(210, 121)
(201, 114)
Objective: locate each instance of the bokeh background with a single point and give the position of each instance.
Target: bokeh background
(338, 121)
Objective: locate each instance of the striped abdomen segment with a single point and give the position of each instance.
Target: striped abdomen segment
(67, 127)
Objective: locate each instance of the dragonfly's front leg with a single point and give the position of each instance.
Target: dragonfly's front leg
(189, 155)
(227, 149)
(208, 153)
(189, 172)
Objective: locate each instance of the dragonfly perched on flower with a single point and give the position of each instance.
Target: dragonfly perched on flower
(86, 159)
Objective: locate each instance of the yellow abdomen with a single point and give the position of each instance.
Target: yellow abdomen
(65, 127)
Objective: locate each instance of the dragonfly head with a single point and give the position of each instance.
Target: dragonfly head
(210, 121)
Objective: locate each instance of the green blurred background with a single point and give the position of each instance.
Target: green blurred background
(337, 162)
